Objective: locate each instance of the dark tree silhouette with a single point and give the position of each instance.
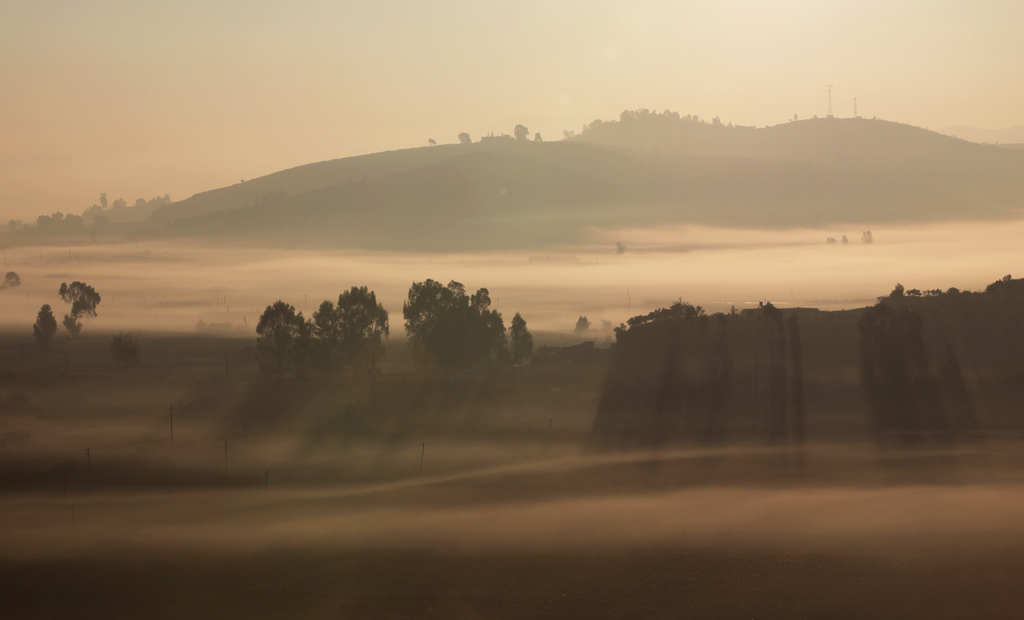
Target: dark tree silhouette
(125, 350)
(450, 329)
(278, 332)
(431, 142)
(522, 339)
(328, 352)
(464, 138)
(364, 325)
(521, 133)
(302, 351)
(671, 377)
(957, 399)
(537, 138)
(582, 327)
(363, 322)
(45, 326)
(777, 430)
(796, 356)
(893, 362)
(83, 299)
(11, 280)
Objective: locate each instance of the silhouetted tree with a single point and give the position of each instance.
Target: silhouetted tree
(521, 133)
(522, 339)
(11, 280)
(328, 353)
(582, 327)
(45, 326)
(678, 310)
(777, 372)
(278, 330)
(796, 357)
(364, 325)
(957, 399)
(302, 350)
(537, 138)
(125, 350)
(464, 138)
(431, 142)
(893, 361)
(453, 330)
(350, 333)
(670, 377)
(83, 299)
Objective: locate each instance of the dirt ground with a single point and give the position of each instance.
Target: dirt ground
(730, 533)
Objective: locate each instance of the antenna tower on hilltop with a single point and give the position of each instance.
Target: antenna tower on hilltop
(829, 101)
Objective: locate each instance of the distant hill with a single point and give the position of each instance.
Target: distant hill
(645, 169)
(1009, 135)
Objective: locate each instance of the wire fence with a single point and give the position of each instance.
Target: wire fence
(105, 467)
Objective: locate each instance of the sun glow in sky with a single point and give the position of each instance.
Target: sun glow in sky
(142, 99)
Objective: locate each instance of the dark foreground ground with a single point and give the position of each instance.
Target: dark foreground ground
(605, 536)
(484, 500)
(652, 583)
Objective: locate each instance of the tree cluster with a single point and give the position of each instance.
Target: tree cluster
(451, 329)
(446, 328)
(83, 299)
(647, 118)
(671, 377)
(347, 334)
(115, 210)
(11, 280)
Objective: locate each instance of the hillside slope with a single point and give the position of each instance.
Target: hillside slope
(646, 169)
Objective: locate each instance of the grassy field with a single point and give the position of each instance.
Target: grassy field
(460, 497)
(733, 533)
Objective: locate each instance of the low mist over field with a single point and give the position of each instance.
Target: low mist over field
(171, 286)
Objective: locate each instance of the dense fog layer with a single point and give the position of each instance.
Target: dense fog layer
(172, 286)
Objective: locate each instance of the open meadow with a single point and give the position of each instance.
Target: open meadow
(464, 497)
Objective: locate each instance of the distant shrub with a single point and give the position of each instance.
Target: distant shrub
(125, 349)
(45, 326)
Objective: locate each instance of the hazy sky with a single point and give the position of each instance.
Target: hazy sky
(145, 98)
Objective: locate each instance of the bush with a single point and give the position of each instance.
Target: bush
(125, 349)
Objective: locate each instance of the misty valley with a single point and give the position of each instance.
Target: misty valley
(663, 367)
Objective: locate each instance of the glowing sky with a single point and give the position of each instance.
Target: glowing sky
(144, 98)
